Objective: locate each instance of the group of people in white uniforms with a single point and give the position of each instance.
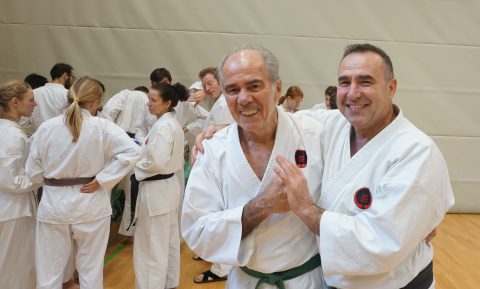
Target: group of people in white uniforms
(380, 176)
(355, 179)
(76, 183)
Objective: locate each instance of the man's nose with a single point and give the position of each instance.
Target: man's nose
(244, 97)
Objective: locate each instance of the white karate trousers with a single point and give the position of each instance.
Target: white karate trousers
(17, 253)
(53, 247)
(156, 249)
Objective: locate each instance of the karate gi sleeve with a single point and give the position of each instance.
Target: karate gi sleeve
(209, 228)
(158, 152)
(409, 202)
(13, 177)
(199, 116)
(141, 125)
(114, 107)
(121, 155)
(224, 117)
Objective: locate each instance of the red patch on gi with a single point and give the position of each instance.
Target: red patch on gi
(146, 141)
(363, 198)
(301, 158)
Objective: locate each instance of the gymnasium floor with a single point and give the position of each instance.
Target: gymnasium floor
(456, 263)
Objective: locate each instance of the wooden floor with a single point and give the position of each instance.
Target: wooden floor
(456, 263)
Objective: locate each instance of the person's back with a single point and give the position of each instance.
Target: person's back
(79, 158)
(124, 108)
(99, 141)
(51, 99)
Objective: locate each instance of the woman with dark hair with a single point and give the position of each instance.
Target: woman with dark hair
(156, 247)
(79, 158)
(17, 200)
(291, 100)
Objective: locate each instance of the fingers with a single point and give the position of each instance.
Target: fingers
(431, 236)
(90, 187)
(288, 172)
(210, 131)
(193, 155)
(198, 142)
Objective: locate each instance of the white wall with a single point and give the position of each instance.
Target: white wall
(434, 45)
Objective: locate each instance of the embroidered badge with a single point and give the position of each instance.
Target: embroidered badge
(301, 158)
(363, 198)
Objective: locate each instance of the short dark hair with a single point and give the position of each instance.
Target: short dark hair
(160, 73)
(331, 91)
(59, 69)
(36, 80)
(367, 47)
(209, 70)
(141, 88)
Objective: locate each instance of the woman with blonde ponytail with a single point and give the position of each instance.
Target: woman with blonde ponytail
(17, 199)
(79, 158)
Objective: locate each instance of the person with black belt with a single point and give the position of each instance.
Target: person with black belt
(79, 158)
(156, 248)
(385, 185)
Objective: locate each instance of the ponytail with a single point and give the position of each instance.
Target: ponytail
(73, 116)
(182, 92)
(282, 99)
(84, 90)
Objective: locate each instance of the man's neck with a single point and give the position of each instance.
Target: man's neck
(58, 81)
(257, 147)
(359, 138)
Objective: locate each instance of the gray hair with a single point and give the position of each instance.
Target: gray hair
(270, 62)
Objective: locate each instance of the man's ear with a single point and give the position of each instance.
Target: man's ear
(392, 87)
(278, 90)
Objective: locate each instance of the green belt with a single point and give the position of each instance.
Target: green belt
(277, 278)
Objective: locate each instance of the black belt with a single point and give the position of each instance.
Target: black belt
(131, 134)
(423, 280)
(134, 192)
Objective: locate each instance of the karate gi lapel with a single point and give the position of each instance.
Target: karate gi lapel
(343, 169)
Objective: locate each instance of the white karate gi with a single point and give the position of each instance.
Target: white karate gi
(156, 248)
(17, 210)
(51, 99)
(383, 245)
(104, 151)
(191, 116)
(143, 124)
(222, 182)
(124, 107)
(219, 114)
(319, 106)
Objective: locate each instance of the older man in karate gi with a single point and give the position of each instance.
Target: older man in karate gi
(385, 184)
(228, 216)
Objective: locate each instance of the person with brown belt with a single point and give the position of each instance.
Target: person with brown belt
(17, 199)
(79, 158)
